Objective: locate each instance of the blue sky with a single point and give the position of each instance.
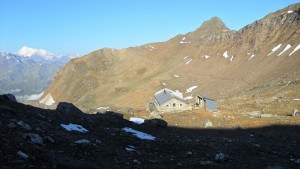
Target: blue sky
(82, 26)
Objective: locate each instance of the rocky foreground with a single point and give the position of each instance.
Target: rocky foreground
(31, 137)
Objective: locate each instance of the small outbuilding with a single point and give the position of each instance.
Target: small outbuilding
(206, 103)
(167, 100)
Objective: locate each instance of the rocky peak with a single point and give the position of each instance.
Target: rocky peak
(211, 30)
(213, 26)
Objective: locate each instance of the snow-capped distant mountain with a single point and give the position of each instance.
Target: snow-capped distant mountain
(28, 52)
(43, 55)
(29, 71)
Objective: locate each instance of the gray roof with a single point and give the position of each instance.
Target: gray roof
(204, 97)
(166, 95)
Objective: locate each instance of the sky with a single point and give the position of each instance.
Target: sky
(83, 26)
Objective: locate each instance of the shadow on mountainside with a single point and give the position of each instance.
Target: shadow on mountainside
(31, 137)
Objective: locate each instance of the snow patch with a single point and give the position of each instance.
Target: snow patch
(130, 148)
(252, 56)
(184, 58)
(188, 61)
(231, 59)
(206, 56)
(82, 141)
(225, 54)
(290, 11)
(48, 100)
(176, 76)
(191, 89)
(274, 49)
(296, 48)
(177, 93)
(74, 127)
(102, 108)
(136, 120)
(138, 134)
(183, 42)
(285, 49)
(164, 84)
(150, 48)
(188, 98)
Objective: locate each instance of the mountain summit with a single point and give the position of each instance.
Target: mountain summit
(213, 26)
(28, 52)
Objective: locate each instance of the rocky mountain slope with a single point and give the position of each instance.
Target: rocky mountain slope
(32, 137)
(29, 72)
(220, 61)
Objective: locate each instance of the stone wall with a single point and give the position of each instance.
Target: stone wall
(173, 105)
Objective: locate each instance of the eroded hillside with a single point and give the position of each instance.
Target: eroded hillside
(221, 62)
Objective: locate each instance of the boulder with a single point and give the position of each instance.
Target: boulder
(35, 138)
(156, 123)
(22, 155)
(68, 108)
(11, 97)
(220, 157)
(254, 113)
(295, 112)
(208, 124)
(155, 115)
(24, 125)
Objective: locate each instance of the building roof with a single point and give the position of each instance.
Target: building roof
(165, 95)
(204, 97)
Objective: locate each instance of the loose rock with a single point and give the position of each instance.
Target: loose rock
(24, 125)
(220, 157)
(49, 139)
(82, 141)
(11, 125)
(137, 162)
(208, 124)
(22, 155)
(35, 138)
(295, 112)
(156, 122)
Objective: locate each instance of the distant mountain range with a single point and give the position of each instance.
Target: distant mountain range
(221, 62)
(28, 72)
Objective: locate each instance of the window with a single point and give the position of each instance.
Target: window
(174, 104)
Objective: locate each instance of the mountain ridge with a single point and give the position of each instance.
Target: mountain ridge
(222, 64)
